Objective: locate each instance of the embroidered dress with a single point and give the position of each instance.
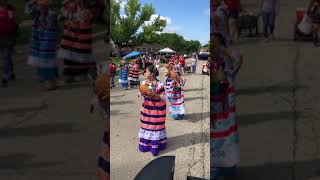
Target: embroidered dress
(176, 98)
(76, 43)
(123, 76)
(134, 74)
(224, 135)
(153, 136)
(103, 104)
(42, 51)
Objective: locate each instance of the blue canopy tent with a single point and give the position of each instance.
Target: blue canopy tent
(132, 54)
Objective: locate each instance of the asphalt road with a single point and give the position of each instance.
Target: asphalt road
(278, 103)
(48, 135)
(188, 139)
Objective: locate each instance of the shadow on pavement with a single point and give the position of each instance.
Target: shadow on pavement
(185, 140)
(121, 102)
(23, 161)
(249, 119)
(196, 89)
(76, 85)
(192, 98)
(38, 130)
(267, 89)
(195, 117)
(116, 112)
(281, 171)
(23, 110)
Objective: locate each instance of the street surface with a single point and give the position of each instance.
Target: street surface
(278, 103)
(48, 135)
(188, 139)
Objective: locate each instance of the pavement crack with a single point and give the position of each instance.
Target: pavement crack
(203, 139)
(294, 110)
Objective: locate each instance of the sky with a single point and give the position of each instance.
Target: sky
(189, 18)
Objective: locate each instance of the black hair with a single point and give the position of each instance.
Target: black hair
(153, 69)
(220, 39)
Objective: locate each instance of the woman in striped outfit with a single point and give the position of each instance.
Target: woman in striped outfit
(76, 43)
(123, 75)
(134, 74)
(43, 44)
(153, 136)
(224, 142)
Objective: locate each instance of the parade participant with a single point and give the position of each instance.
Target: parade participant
(113, 70)
(8, 32)
(178, 67)
(153, 135)
(176, 98)
(224, 142)
(43, 44)
(76, 43)
(123, 75)
(134, 73)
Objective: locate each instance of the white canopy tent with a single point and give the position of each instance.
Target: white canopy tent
(166, 50)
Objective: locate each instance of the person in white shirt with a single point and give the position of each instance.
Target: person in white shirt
(194, 64)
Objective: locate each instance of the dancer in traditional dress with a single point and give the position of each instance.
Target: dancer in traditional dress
(76, 43)
(153, 136)
(134, 74)
(178, 66)
(123, 75)
(224, 135)
(176, 98)
(44, 39)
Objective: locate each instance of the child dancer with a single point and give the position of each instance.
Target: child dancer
(123, 76)
(134, 74)
(176, 106)
(42, 53)
(153, 136)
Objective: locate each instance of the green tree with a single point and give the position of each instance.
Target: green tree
(124, 29)
(174, 41)
(192, 46)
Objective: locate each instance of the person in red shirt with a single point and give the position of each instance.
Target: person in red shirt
(234, 7)
(113, 69)
(9, 25)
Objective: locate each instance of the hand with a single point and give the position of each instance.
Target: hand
(150, 93)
